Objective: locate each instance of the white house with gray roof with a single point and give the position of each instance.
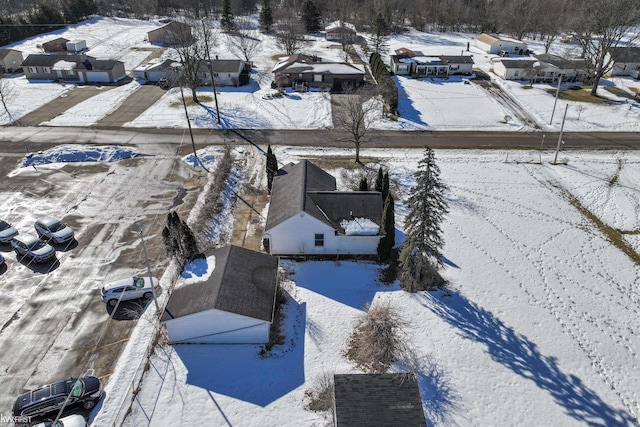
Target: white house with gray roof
(235, 304)
(72, 68)
(625, 61)
(308, 216)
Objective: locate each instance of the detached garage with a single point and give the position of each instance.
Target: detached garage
(235, 304)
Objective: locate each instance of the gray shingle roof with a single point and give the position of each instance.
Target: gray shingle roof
(459, 59)
(243, 282)
(289, 192)
(306, 187)
(337, 206)
(517, 63)
(561, 62)
(4, 52)
(378, 400)
(41, 60)
(625, 54)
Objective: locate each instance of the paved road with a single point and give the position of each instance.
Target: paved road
(132, 106)
(62, 103)
(35, 137)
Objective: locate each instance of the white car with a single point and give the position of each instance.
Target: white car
(53, 229)
(7, 232)
(75, 420)
(128, 289)
(1, 260)
(32, 247)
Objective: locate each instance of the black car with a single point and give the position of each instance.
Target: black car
(83, 391)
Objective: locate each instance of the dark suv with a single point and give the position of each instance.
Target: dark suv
(83, 391)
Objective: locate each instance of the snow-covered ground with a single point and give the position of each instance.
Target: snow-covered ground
(540, 325)
(431, 104)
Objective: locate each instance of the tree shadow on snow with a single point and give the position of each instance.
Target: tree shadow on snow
(239, 372)
(405, 105)
(518, 353)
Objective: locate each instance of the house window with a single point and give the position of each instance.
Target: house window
(215, 74)
(47, 70)
(317, 78)
(228, 74)
(319, 240)
(70, 72)
(516, 73)
(33, 70)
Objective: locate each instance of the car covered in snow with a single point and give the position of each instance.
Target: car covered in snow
(128, 289)
(53, 229)
(85, 391)
(75, 420)
(30, 246)
(7, 232)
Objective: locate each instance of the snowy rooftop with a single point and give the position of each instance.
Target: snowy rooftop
(339, 24)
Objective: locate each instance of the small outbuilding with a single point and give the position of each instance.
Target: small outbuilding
(56, 45)
(172, 33)
(340, 31)
(377, 400)
(76, 45)
(494, 44)
(235, 304)
(10, 60)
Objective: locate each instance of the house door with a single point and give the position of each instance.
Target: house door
(59, 74)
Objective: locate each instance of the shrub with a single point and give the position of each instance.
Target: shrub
(378, 339)
(321, 394)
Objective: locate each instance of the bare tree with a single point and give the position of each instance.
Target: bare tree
(351, 114)
(602, 26)
(7, 92)
(192, 47)
(290, 35)
(244, 42)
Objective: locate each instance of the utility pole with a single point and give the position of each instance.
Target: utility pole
(541, 145)
(556, 101)
(193, 143)
(213, 82)
(146, 258)
(555, 159)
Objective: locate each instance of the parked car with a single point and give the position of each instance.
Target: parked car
(85, 391)
(53, 229)
(7, 232)
(637, 96)
(75, 420)
(128, 289)
(503, 53)
(32, 247)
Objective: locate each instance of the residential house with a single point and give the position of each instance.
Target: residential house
(226, 72)
(553, 67)
(342, 32)
(76, 45)
(303, 72)
(72, 68)
(408, 62)
(515, 69)
(377, 400)
(235, 304)
(494, 44)
(10, 60)
(56, 45)
(458, 64)
(308, 216)
(626, 61)
(171, 34)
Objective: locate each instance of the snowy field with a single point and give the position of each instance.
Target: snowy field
(540, 326)
(431, 104)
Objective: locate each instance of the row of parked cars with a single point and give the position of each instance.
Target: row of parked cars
(47, 228)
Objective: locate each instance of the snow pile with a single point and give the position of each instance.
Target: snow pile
(198, 270)
(79, 153)
(360, 227)
(208, 157)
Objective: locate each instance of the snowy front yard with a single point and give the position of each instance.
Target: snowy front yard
(539, 327)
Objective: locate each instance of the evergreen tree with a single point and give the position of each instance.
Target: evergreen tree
(421, 255)
(379, 179)
(226, 17)
(265, 18)
(364, 185)
(310, 16)
(388, 241)
(385, 186)
(272, 167)
(179, 239)
(379, 37)
(79, 9)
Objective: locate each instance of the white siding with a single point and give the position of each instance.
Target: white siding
(217, 327)
(297, 236)
(483, 46)
(98, 76)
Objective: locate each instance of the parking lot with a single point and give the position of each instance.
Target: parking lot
(54, 324)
